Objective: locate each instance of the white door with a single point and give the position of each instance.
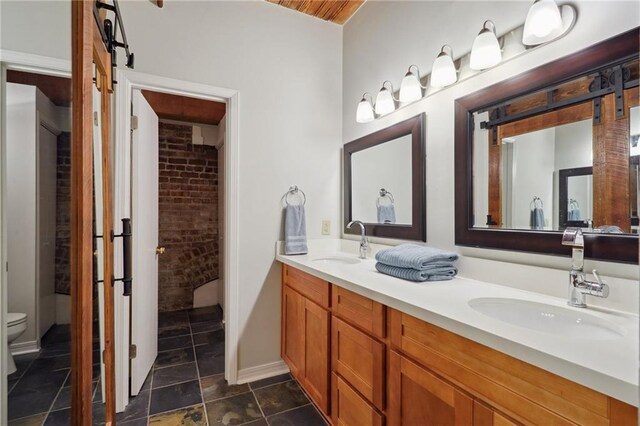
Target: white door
(46, 208)
(144, 223)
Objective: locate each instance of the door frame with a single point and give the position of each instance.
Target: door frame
(18, 61)
(128, 81)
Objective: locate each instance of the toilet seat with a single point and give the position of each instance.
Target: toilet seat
(15, 318)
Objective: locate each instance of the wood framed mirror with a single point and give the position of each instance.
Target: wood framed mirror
(513, 139)
(385, 181)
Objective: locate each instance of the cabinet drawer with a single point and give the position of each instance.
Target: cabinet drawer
(360, 360)
(311, 287)
(359, 310)
(524, 392)
(350, 409)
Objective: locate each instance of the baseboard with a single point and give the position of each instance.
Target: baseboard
(264, 371)
(24, 347)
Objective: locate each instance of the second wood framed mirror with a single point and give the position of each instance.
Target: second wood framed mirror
(385, 182)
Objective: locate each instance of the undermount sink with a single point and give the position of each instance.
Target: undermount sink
(337, 260)
(547, 318)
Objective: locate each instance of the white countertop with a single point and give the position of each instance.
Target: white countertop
(610, 366)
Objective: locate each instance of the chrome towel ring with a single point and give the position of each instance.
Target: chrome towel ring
(384, 194)
(294, 190)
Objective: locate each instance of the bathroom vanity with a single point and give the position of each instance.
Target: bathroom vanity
(372, 350)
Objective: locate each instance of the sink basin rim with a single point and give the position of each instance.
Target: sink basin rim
(340, 260)
(547, 318)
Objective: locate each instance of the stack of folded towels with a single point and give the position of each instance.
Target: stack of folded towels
(417, 263)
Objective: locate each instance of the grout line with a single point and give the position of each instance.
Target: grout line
(259, 406)
(273, 384)
(58, 394)
(153, 370)
(195, 356)
(172, 410)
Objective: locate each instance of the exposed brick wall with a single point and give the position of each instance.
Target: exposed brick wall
(188, 216)
(63, 214)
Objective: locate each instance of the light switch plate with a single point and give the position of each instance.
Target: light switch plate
(326, 227)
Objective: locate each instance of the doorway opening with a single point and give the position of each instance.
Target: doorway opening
(176, 210)
(37, 211)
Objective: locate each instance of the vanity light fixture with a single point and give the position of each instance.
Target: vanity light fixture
(546, 21)
(444, 71)
(486, 51)
(411, 88)
(364, 113)
(385, 101)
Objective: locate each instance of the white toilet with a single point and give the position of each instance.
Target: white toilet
(16, 325)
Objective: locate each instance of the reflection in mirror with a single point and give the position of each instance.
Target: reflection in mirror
(536, 173)
(381, 183)
(634, 176)
(98, 227)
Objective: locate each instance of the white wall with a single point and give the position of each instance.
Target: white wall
(384, 38)
(574, 146)
(288, 69)
(21, 127)
(532, 175)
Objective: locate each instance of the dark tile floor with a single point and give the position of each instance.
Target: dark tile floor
(185, 387)
(39, 391)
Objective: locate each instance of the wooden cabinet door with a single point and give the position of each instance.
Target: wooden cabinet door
(293, 312)
(417, 397)
(360, 360)
(484, 415)
(316, 354)
(348, 408)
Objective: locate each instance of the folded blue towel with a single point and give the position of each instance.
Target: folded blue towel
(387, 214)
(295, 230)
(440, 273)
(414, 256)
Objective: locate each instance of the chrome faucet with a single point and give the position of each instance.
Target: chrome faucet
(579, 286)
(364, 243)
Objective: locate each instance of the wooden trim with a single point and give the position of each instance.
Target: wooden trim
(548, 120)
(82, 213)
(620, 248)
(418, 229)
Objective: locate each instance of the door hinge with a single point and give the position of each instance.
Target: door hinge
(95, 118)
(133, 351)
(134, 122)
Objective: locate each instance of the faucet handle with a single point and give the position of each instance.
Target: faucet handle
(597, 276)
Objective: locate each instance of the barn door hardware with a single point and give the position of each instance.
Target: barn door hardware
(109, 33)
(126, 256)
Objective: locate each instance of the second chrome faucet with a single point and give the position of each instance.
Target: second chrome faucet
(579, 286)
(364, 243)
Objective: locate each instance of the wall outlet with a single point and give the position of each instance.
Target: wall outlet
(326, 227)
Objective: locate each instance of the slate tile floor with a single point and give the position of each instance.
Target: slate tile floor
(39, 391)
(186, 385)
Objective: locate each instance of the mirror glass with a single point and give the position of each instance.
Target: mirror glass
(385, 182)
(536, 173)
(381, 183)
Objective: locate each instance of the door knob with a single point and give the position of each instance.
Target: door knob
(160, 250)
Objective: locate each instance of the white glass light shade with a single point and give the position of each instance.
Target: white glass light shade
(384, 102)
(543, 20)
(364, 113)
(444, 71)
(485, 52)
(410, 88)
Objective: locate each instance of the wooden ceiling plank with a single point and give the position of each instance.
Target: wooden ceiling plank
(337, 11)
(57, 89)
